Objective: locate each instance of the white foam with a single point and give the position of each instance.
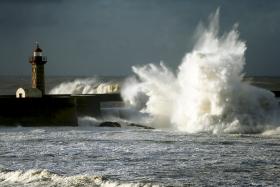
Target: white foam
(88, 121)
(272, 132)
(207, 92)
(44, 178)
(85, 86)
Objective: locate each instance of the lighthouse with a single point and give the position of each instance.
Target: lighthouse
(38, 73)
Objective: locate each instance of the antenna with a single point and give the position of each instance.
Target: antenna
(37, 44)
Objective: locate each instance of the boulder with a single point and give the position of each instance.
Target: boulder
(141, 126)
(109, 124)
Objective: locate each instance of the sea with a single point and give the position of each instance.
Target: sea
(89, 155)
(209, 125)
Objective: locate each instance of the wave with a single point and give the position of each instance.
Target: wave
(272, 132)
(207, 93)
(45, 178)
(86, 86)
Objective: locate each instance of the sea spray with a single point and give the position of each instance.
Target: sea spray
(86, 86)
(78, 86)
(207, 92)
(110, 111)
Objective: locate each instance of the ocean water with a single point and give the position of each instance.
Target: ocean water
(213, 126)
(88, 156)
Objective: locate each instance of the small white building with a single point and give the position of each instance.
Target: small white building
(28, 93)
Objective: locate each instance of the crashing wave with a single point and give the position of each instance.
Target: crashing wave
(207, 92)
(86, 86)
(44, 178)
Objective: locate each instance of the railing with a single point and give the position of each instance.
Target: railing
(38, 59)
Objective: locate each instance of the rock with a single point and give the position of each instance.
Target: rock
(109, 124)
(142, 126)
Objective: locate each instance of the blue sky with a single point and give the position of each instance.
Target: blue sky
(107, 37)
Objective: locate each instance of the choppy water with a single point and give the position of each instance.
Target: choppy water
(136, 156)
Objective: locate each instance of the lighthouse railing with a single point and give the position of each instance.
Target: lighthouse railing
(36, 58)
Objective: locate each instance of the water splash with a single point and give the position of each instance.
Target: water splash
(86, 86)
(207, 92)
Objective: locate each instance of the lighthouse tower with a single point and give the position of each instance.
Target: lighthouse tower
(38, 75)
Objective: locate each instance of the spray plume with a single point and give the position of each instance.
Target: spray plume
(207, 92)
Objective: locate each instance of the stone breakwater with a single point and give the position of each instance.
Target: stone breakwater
(51, 110)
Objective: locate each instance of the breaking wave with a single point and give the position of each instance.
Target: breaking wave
(86, 86)
(44, 178)
(207, 92)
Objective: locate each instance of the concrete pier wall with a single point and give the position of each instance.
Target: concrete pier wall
(46, 111)
(51, 110)
(89, 105)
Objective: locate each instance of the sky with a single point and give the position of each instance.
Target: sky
(107, 37)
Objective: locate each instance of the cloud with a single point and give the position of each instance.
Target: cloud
(20, 2)
(91, 35)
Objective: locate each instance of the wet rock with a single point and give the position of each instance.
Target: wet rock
(141, 126)
(109, 124)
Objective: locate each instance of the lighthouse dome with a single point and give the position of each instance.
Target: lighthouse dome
(38, 49)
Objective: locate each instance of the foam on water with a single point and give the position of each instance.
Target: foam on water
(38, 178)
(207, 92)
(71, 156)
